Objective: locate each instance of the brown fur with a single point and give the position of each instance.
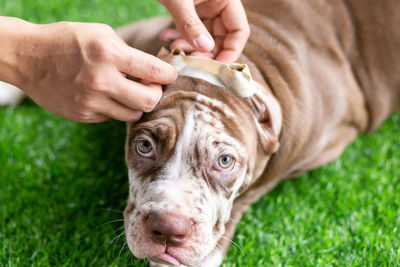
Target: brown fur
(334, 67)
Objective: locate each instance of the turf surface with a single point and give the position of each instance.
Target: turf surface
(63, 185)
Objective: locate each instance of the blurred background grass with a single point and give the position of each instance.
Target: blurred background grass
(63, 185)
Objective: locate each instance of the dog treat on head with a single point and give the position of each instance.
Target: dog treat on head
(235, 77)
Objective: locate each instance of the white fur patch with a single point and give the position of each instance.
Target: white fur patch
(214, 260)
(185, 142)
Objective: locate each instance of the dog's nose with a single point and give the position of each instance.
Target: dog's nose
(168, 228)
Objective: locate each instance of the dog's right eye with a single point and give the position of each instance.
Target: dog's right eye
(224, 163)
(144, 148)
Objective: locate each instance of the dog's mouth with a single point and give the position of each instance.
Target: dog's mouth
(166, 249)
(163, 238)
(166, 258)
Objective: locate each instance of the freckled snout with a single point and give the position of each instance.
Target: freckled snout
(168, 228)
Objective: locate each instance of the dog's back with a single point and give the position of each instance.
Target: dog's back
(375, 55)
(334, 67)
(362, 35)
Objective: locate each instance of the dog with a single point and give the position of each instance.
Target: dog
(325, 71)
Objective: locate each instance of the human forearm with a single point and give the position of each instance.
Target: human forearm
(14, 34)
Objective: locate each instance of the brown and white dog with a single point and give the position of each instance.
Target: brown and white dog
(326, 71)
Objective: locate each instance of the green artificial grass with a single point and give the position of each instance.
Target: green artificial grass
(63, 185)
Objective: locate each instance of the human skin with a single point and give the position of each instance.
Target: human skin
(212, 28)
(78, 70)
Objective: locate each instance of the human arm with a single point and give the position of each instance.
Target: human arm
(78, 70)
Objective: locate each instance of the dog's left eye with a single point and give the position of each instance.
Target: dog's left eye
(144, 148)
(224, 163)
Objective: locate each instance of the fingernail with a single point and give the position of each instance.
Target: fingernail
(204, 42)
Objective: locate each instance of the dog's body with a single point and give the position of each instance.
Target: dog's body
(326, 71)
(334, 69)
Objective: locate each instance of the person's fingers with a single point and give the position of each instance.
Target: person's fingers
(231, 21)
(189, 24)
(235, 21)
(219, 43)
(96, 118)
(115, 110)
(227, 56)
(90, 118)
(232, 47)
(141, 65)
(203, 54)
(99, 118)
(209, 23)
(103, 108)
(183, 45)
(135, 95)
(219, 28)
(211, 9)
(168, 35)
(234, 17)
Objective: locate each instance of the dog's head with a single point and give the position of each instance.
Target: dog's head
(188, 160)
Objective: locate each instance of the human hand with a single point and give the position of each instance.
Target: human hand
(196, 19)
(78, 71)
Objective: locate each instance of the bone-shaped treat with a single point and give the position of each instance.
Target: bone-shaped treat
(234, 77)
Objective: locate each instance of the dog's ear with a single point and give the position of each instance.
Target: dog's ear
(268, 116)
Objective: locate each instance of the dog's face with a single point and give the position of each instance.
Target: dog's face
(187, 160)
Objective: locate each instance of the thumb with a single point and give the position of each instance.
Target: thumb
(189, 24)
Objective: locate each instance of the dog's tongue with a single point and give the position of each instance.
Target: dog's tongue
(168, 258)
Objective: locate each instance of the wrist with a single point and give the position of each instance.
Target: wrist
(15, 39)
